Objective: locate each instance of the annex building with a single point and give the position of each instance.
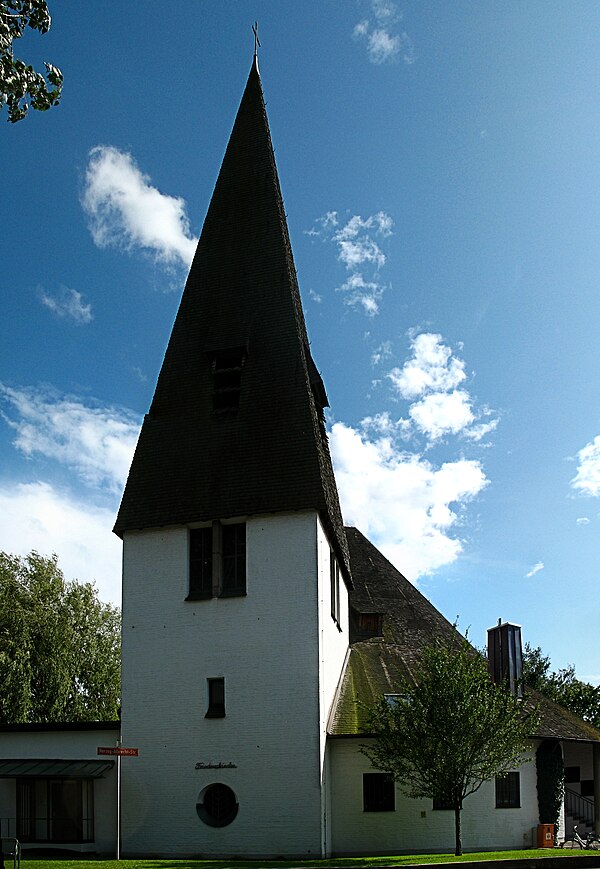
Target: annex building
(252, 618)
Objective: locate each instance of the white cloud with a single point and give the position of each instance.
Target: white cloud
(384, 351)
(380, 223)
(126, 211)
(477, 432)
(535, 569)
(358, 248)
(587, 478)
(37, 516)
(365, 294)
(432, 375)
(442, 413)
(361, 29)
(384, 42)
(431, 367)
(407, 506)
(67, 303)
(384, 10)
(382, 46)
(583, 520)
(355, 252)
(95, 442)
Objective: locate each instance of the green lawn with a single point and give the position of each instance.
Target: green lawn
(298, 864)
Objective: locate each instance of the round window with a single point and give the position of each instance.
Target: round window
(217, 805)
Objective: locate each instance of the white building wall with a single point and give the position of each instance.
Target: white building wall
(267, 646)
(414, 827)
(333, 648)
(65, 745)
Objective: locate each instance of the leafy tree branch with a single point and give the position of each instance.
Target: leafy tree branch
(59, 646)
(562, 686)
(21, 86)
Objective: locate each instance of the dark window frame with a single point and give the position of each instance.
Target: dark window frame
(334, 586)
(442, 804)
(572, 774)
(226, 367)
(200, 562)
(379, 792)
(217, 565)
(217, 805)
(233, 555)
(216, 697)
(508, 791)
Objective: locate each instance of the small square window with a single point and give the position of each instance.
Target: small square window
(508, 791)
(370, 623)
(379, 793)
(216, 698)
(443, 804)
(572, 774)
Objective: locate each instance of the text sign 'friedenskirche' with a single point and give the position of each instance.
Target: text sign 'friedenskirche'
(119, 751)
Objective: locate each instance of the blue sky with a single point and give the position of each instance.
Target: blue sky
(439, 166)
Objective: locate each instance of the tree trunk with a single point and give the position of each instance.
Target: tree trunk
(457, 832)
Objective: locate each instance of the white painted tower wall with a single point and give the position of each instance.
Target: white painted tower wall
(280, 654)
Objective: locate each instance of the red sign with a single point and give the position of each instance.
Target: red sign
(119, 751)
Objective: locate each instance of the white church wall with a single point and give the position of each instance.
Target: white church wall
(333, 635)
(266, 647)
(68, 744)
(333, 648)
(414, 827)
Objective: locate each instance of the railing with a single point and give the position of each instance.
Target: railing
(579, 807)
(11, 848)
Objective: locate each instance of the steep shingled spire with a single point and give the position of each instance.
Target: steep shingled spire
(236, 424)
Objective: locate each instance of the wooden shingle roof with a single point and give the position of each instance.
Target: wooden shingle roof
(410, 622)
(271, 454)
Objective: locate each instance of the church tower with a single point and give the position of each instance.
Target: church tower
(235, 564)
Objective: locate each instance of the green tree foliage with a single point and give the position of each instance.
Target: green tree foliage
(18, 81)
(562, 686)
(450, 730)
(59, 645)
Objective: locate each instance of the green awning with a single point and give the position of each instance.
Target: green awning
(37, 768)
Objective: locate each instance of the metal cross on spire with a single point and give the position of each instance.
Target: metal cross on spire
(256, 39)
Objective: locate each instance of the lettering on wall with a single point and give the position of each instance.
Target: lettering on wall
(219, 765)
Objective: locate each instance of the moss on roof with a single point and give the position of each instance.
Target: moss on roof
(410, 622)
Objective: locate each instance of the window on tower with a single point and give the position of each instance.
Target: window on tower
(234, 560)
(217, 561)
(216, 698)
(227, 366)
(201, 562)
(334, 582)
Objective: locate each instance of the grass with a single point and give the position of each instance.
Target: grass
(350, 862)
